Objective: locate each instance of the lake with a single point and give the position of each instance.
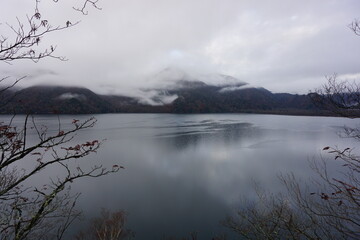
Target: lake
(186, 173)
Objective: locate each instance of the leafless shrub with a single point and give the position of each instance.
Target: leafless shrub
(332, 210)
(339, 97)
(30, 212)
(109, 226)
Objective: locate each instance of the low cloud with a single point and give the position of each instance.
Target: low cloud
(280, 45)
(234, 88)
(67, 96)
(156, 97)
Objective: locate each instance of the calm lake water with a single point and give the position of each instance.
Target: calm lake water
(186, 173)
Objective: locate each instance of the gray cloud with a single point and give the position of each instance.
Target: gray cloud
(230, 89)
(282, 45)
(69, 95)
(156, 97)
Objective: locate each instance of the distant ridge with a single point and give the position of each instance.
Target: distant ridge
(55, 99)
(183, 96)
(175, 91)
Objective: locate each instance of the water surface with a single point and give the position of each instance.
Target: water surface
(186, 173)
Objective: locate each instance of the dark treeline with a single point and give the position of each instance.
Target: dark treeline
(200, 99)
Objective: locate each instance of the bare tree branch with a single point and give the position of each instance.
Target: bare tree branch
(28, 211)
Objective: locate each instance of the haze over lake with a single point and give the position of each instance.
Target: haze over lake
(186, 173)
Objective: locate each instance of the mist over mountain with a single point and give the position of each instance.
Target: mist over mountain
(54, 99)
(176, 92)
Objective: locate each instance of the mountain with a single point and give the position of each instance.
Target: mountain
(182, 96)
(238, 98)
(50, 99)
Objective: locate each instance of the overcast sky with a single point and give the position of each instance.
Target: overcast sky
(282, 45)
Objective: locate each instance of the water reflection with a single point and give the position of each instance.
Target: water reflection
(185, 173)
(181, 137)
